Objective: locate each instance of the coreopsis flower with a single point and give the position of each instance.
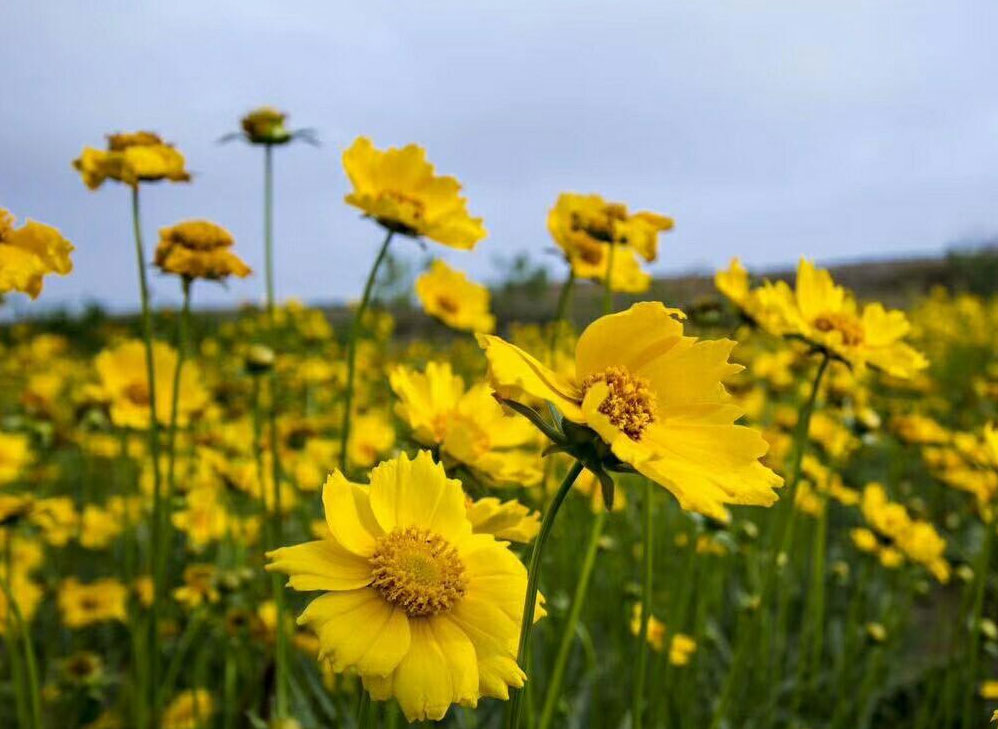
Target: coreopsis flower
(467, 426)
(27, 596)
(98, 527)
(14, 507)
(203, 518)
(199, 586)
(988, 690)
(82, 604)
(372, 436)
(915, 428)
(29, 253)
(626, 274)
(265, 125)
(681, 646)
(57, 519)
(422, 608)
(131, 158)
(646, 398)
(448, 295)
(581, 222)
(508, 520)
(82, 668)
(827, 317)
(190, 709)
(400, 190)
(15, 455)
(198, 249)
(122, 372)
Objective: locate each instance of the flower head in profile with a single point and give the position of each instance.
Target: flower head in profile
(131, 158)
(198, 249)
(424, 609)
(645, 398)
(400, 190)
(267, 126)
(580, 222)
(468, 426)
(29, 253)
(122, 372)
(449, 296)
(827, 317)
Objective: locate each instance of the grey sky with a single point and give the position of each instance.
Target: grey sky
(767, 129)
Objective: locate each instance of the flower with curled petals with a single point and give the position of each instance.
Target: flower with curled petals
(424, 609)
(646, 398)
(29, 253)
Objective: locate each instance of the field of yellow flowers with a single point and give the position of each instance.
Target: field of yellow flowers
(773, 511)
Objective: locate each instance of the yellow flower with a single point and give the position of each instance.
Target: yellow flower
(198, 249)
(15, 455)
(449, 296)
(57, 518)
(131, 158)
(399, 189)
(98, 527)
(468, 426)
(681, 649)
(588, 485)
(204, 518)
(29, 253)
(581, 222)
(27, 596)
(916, 428)
(191, 709)
(655, 398)
(422, 608)
(627, 276)
(655, 635)
(82, 667)
(85, 604)
(988, 690)
(509, 520)
(122, 371)
(827, 316)
(372, 435)
(876, 632)
(199, 586)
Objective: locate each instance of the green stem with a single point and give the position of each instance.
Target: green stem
(352, 349)
(571, 622)
(514, 710)
(268, 229)
(647, 557)
(157, 516)
(981, 580)
(28, 711)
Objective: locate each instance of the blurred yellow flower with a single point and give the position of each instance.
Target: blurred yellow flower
(198, 249)
(655, 398)
(122, 372)
(82, 604)
(98, 527)
(508, 520)
(468, 426)
(131, 158)
(372, 436)
(190, 709)
(29, 253)
(265, 125)
(399, 189)
(15, 455)
(422, 608)
(581, 223)
(448, 295)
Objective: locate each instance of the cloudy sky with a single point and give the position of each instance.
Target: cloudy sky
(767, 129)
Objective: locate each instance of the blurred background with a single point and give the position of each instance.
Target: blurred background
(842, 130)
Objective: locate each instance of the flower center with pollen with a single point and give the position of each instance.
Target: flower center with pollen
(448, 304)
(629, 404)
(418, 571)
(850, 329)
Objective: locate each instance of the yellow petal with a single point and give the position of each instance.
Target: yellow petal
(418, 493)
(513, 372)
(320, 565)
(358, 629)
(495, 636)
(349, 515)
(634, 338)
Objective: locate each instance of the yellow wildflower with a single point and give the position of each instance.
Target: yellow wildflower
(131, 159)
(198, 249)
(449, 296)
(190, 709)
(82, 604)
(29, 253)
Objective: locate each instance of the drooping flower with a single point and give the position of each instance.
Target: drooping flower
(400, 190)
(421, 607)
(29, 253)
(827, 317)
(647, 398)
(122, 371)
(448, 295)
(198, 249)
(131, 158)
(468, 426)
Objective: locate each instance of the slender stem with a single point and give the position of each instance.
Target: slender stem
(157, 516)
(980, 583)
(30, 709)
(268, 228)
(571, 622)
(513, 710)
(352, 349)
(608, 281)
(647, 557)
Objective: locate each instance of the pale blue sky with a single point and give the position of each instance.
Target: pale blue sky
(768, 129)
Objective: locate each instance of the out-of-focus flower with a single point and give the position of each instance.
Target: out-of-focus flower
(372, 436)
(29, 253)
(82, 604)
(646, 397)
(468, 426)
(131, 158)
(583, 222)
(421, 607)
(509, 520)
(400, 190)
(190, 709)
(199, 586)
(449, 296)
(15, 455)
(198, 249)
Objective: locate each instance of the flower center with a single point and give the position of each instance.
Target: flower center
(630, 403)
(406, 211)
(418, 571)
(850, 329)
(447, 303)
(601, 225)
(138, 393)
